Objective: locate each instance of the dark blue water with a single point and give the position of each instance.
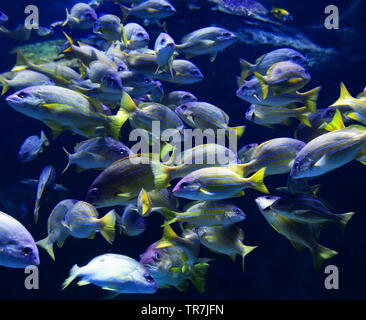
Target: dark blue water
(275, 270)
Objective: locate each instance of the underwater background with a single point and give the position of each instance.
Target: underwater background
(275, 270)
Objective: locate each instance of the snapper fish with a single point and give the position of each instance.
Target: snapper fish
(267, 60)
(137, 36)
(168, 269)
(32, 147)
(283, 77)
(114, 272)
(17, 246)
(81, 16)
(300, 234)
(55, 229)
(331, 150)
(150, 9)
(96, 153)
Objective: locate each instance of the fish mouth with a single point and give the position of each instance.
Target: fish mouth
(13, 99)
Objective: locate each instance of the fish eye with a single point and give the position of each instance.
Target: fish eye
(139, 34)
(296, 165)
(94, 192)
(184, 107)
(120, 68)
(226, 34)
(237, 211)
(23, 95)
(186, 97)
(27, 250)
(184, 185)
(148, 277)
(163, 41)
(156, 256)
(146, 80)
(122, 150)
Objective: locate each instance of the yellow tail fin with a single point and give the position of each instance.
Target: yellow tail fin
(73, 274)
(246, 71)
(320, 254)
(69, 40)
(311, 98)
(335, 124)
(264, 85)
(239, 131)
(343, 220)
(344, 96)
(108, 223)
(162, 175)
(5, 85)
(246, 250)
(45, 244)
(144, 203)
(168, 237)
(257, 181)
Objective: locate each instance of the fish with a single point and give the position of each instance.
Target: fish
(299, 234)
(137, 36)
(189, 243)
(45, 186)
(156, 201)
(149, 9)
(32, 147)
(202, 156)
(96, 153)
(245, 153)
(116, 273)
(225, 240)
(60, 74)
(185, 72)
(81, 16)
(3, 17)
(251, 92)
(146, 114)
(209, 40)
(283, 77)
(269, 116)
(168, 269)
(64, 109)
(331, 150)
(17, 246)
(357, 106)
(132, 224)
(246, 8)
(217, 183)
(206, 213)
(165, 48)
(110, 28)
(56, 232)
(81, 221)
(122, 181)
(18, 34)
(267, 60)
(176, 98)
(23, 79)
(276, 155)
(281, 14)
(309, 209)
(203, 115)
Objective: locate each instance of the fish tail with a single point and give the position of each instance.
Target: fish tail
(125, 11)
(320, 254)
(198, 277)
(67, 18)
(73, 274)
(71, 43)
(343, 219)
(124, 37)
(264, 85)
(144, 203)
(246, 71)
(117, 122)
(165, 150)
(310, 98)
(108, 223)
(239, 131)
(246, 250)
(5, 84)
(22, 62)
(303, 116)
(44, 139)
(257, 181)
(169, 215)
(45, 244)
(168, 237)
(344, 95)
(127, 103)
(36, 209)
(335, 124)
(240, 168)
(68, 161)
(162, 175)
